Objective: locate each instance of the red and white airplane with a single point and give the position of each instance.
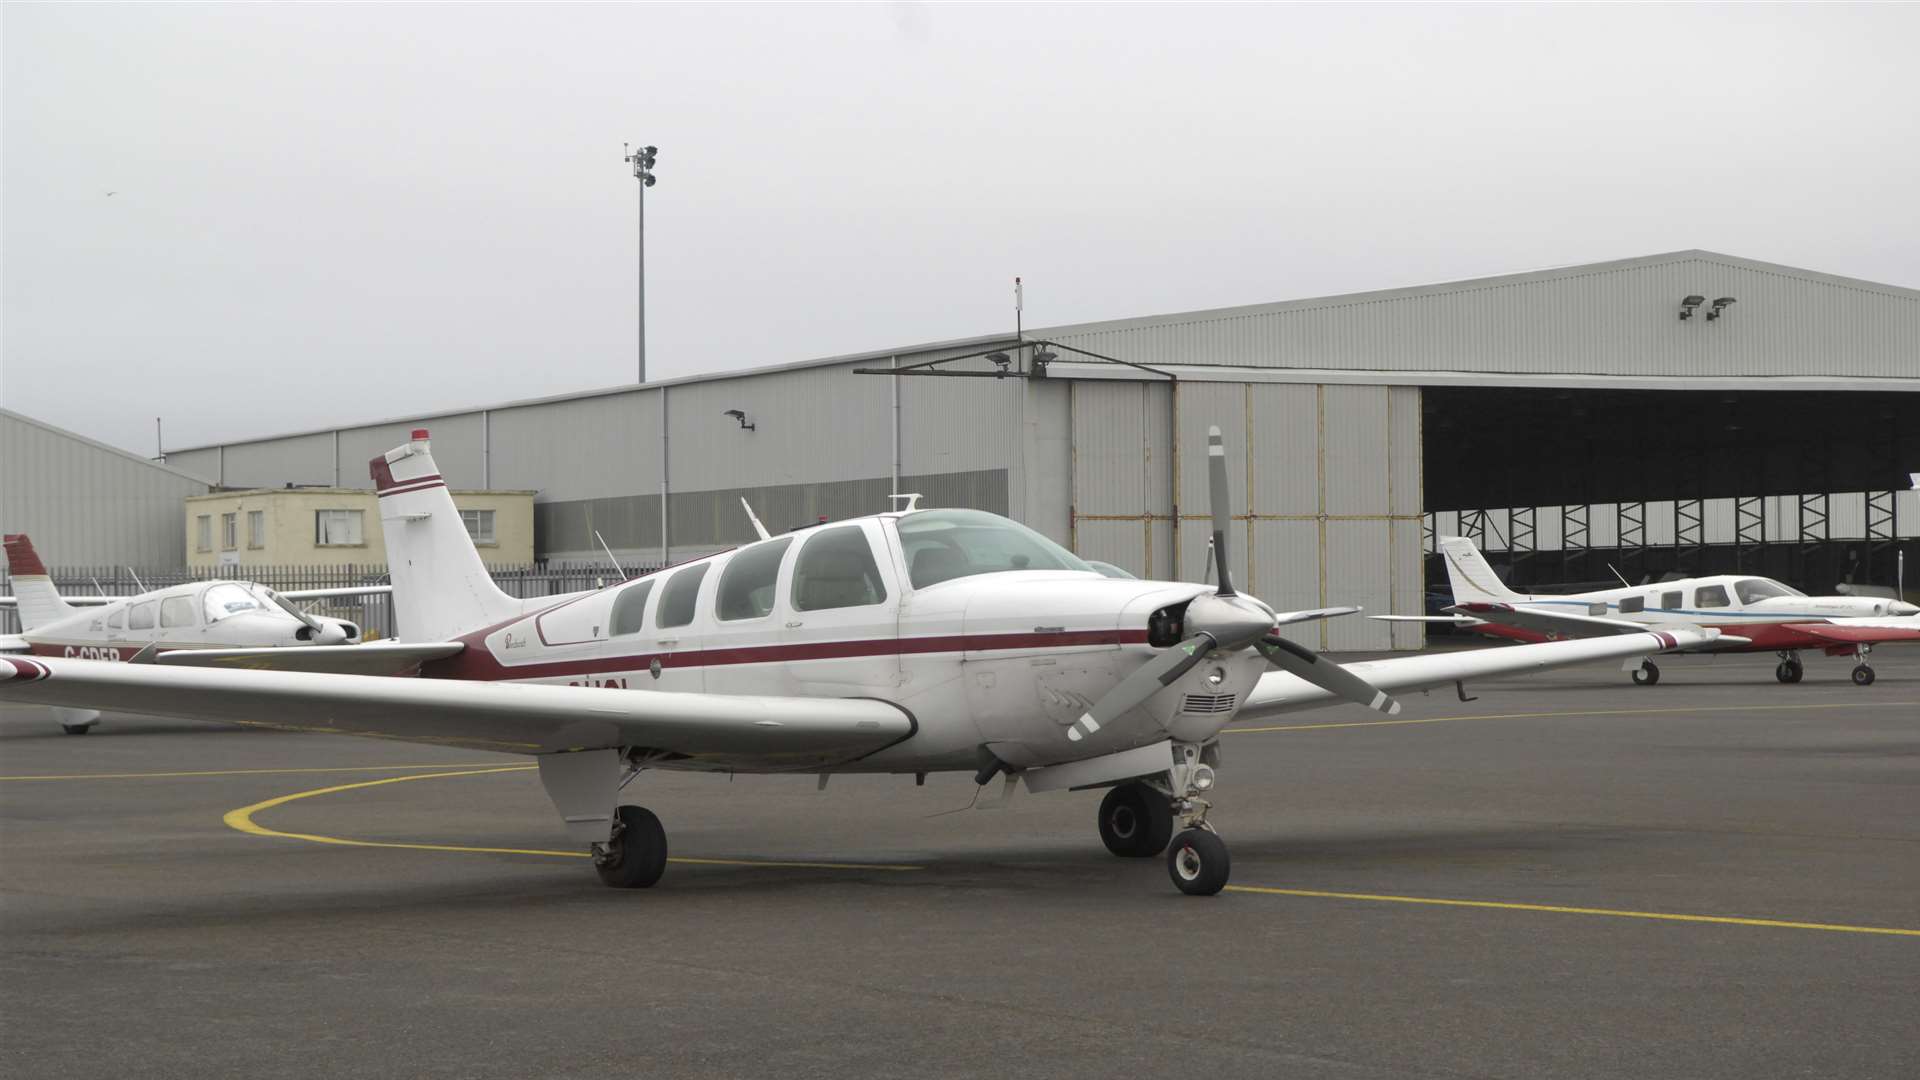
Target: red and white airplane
(162, 625)
(907, 642)
(1753, 614)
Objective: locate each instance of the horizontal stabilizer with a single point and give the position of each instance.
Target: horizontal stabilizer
(1311, 614)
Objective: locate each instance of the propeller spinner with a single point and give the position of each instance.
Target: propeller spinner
(1227, 622)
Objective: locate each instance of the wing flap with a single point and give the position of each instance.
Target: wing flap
(710, 730)
(372, 658)
(1278, 692)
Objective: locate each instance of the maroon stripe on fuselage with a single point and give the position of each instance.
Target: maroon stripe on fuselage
(478, 663)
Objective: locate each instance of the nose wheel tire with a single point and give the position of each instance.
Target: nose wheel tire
(76, 729)
(1646, 674)
(1789, 672)
(1863, 676)
(637, 854)
(1135, 821)
(1198, 863)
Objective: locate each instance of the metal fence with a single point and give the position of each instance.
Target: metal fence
(374, 614)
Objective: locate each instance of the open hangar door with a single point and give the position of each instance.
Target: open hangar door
(1325, 481)
(1559, 485)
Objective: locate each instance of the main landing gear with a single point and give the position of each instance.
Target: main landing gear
(636, 854)
(1137, 821)
(1646, 674)
(1863, 671)
(1790, 670)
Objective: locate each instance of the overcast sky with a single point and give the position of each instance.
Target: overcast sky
(329, 213)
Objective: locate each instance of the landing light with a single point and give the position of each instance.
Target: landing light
(1216, 676)
(1203, 778)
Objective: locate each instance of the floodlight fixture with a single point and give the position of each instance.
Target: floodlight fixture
(1687, 305)
(1719, 307)
(742, 417)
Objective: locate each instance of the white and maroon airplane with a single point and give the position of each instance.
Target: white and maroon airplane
(162, 625)
(906, 642)
(1754, 614)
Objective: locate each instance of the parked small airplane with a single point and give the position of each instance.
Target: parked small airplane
(907, 642)
(1753, 614)
(154, 625)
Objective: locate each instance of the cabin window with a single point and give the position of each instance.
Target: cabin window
(117, 620)
(334, 528)
(629, 609)
(1708, 596)
(229, 531)
(203, 533)
(746, 585)
(836, 570)
(256, 528)
(176, 611)
(941, 545)
(1753, 590)
(677, 600)
(141, 617)
(224, 600)
(479, 525)
(1633, 604)
(1670, 601)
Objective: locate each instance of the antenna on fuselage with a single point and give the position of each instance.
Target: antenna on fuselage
(137, 583)
(913, 501)
(1622, 577)
(96, 586)
(609, 551)
(759, 529)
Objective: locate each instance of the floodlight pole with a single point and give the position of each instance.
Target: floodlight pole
(642, 162)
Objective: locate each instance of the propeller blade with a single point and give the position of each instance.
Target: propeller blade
(1145, 681)
(286, 605)
(1221, 506)
(1300, 661)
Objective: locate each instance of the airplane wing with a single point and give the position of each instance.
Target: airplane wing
(1568, 625)
(1278, 692)
(719, 731)
(372, 658)
(75, 601)
(1862, 631)
(322, 594)
(1444, 620)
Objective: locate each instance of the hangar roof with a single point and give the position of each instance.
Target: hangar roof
(1615, 319)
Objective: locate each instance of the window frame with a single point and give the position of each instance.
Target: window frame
(1701, 592)
(256, 529)
(358, 517)
(203, 532)
(696, 576)
(230, 531)
(752, 558)
(474, 532)
(866, 537)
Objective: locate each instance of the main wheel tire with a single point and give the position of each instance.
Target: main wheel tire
(1135, 821)
(636, 858)
(1646, 675)
(1198, 863)
(1789, 672)
(76, 729)
(1863, 676)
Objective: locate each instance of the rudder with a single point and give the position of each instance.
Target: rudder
(33, 589)
(1470, 574)
(441, 589)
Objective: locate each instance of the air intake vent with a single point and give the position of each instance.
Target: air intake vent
(1207, 704)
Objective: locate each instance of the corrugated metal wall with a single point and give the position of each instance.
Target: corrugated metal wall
(1325, 480)
(87, 504)
(1614, 319)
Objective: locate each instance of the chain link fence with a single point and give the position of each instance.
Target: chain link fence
(374, 614)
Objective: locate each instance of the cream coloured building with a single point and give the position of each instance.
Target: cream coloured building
(338, 527)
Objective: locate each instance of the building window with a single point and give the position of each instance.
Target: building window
(229, 531)
(203, 533)
(256, 528)
(479, 525)
(336, 528)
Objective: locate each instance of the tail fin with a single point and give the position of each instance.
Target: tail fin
(33, 590)
(1473, 580)
(441, 589)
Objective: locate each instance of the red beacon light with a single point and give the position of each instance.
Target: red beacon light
(419, 434)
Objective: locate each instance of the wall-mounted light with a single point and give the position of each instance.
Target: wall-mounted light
(740, 416)
(1000, 360)
(1719, 307)
(1687, 306)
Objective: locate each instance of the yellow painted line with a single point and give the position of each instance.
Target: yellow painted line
(1615, 913)
(244, 772)
(1577, 712)
(242, 819)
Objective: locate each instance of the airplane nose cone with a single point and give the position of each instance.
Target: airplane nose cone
(1901, 607)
